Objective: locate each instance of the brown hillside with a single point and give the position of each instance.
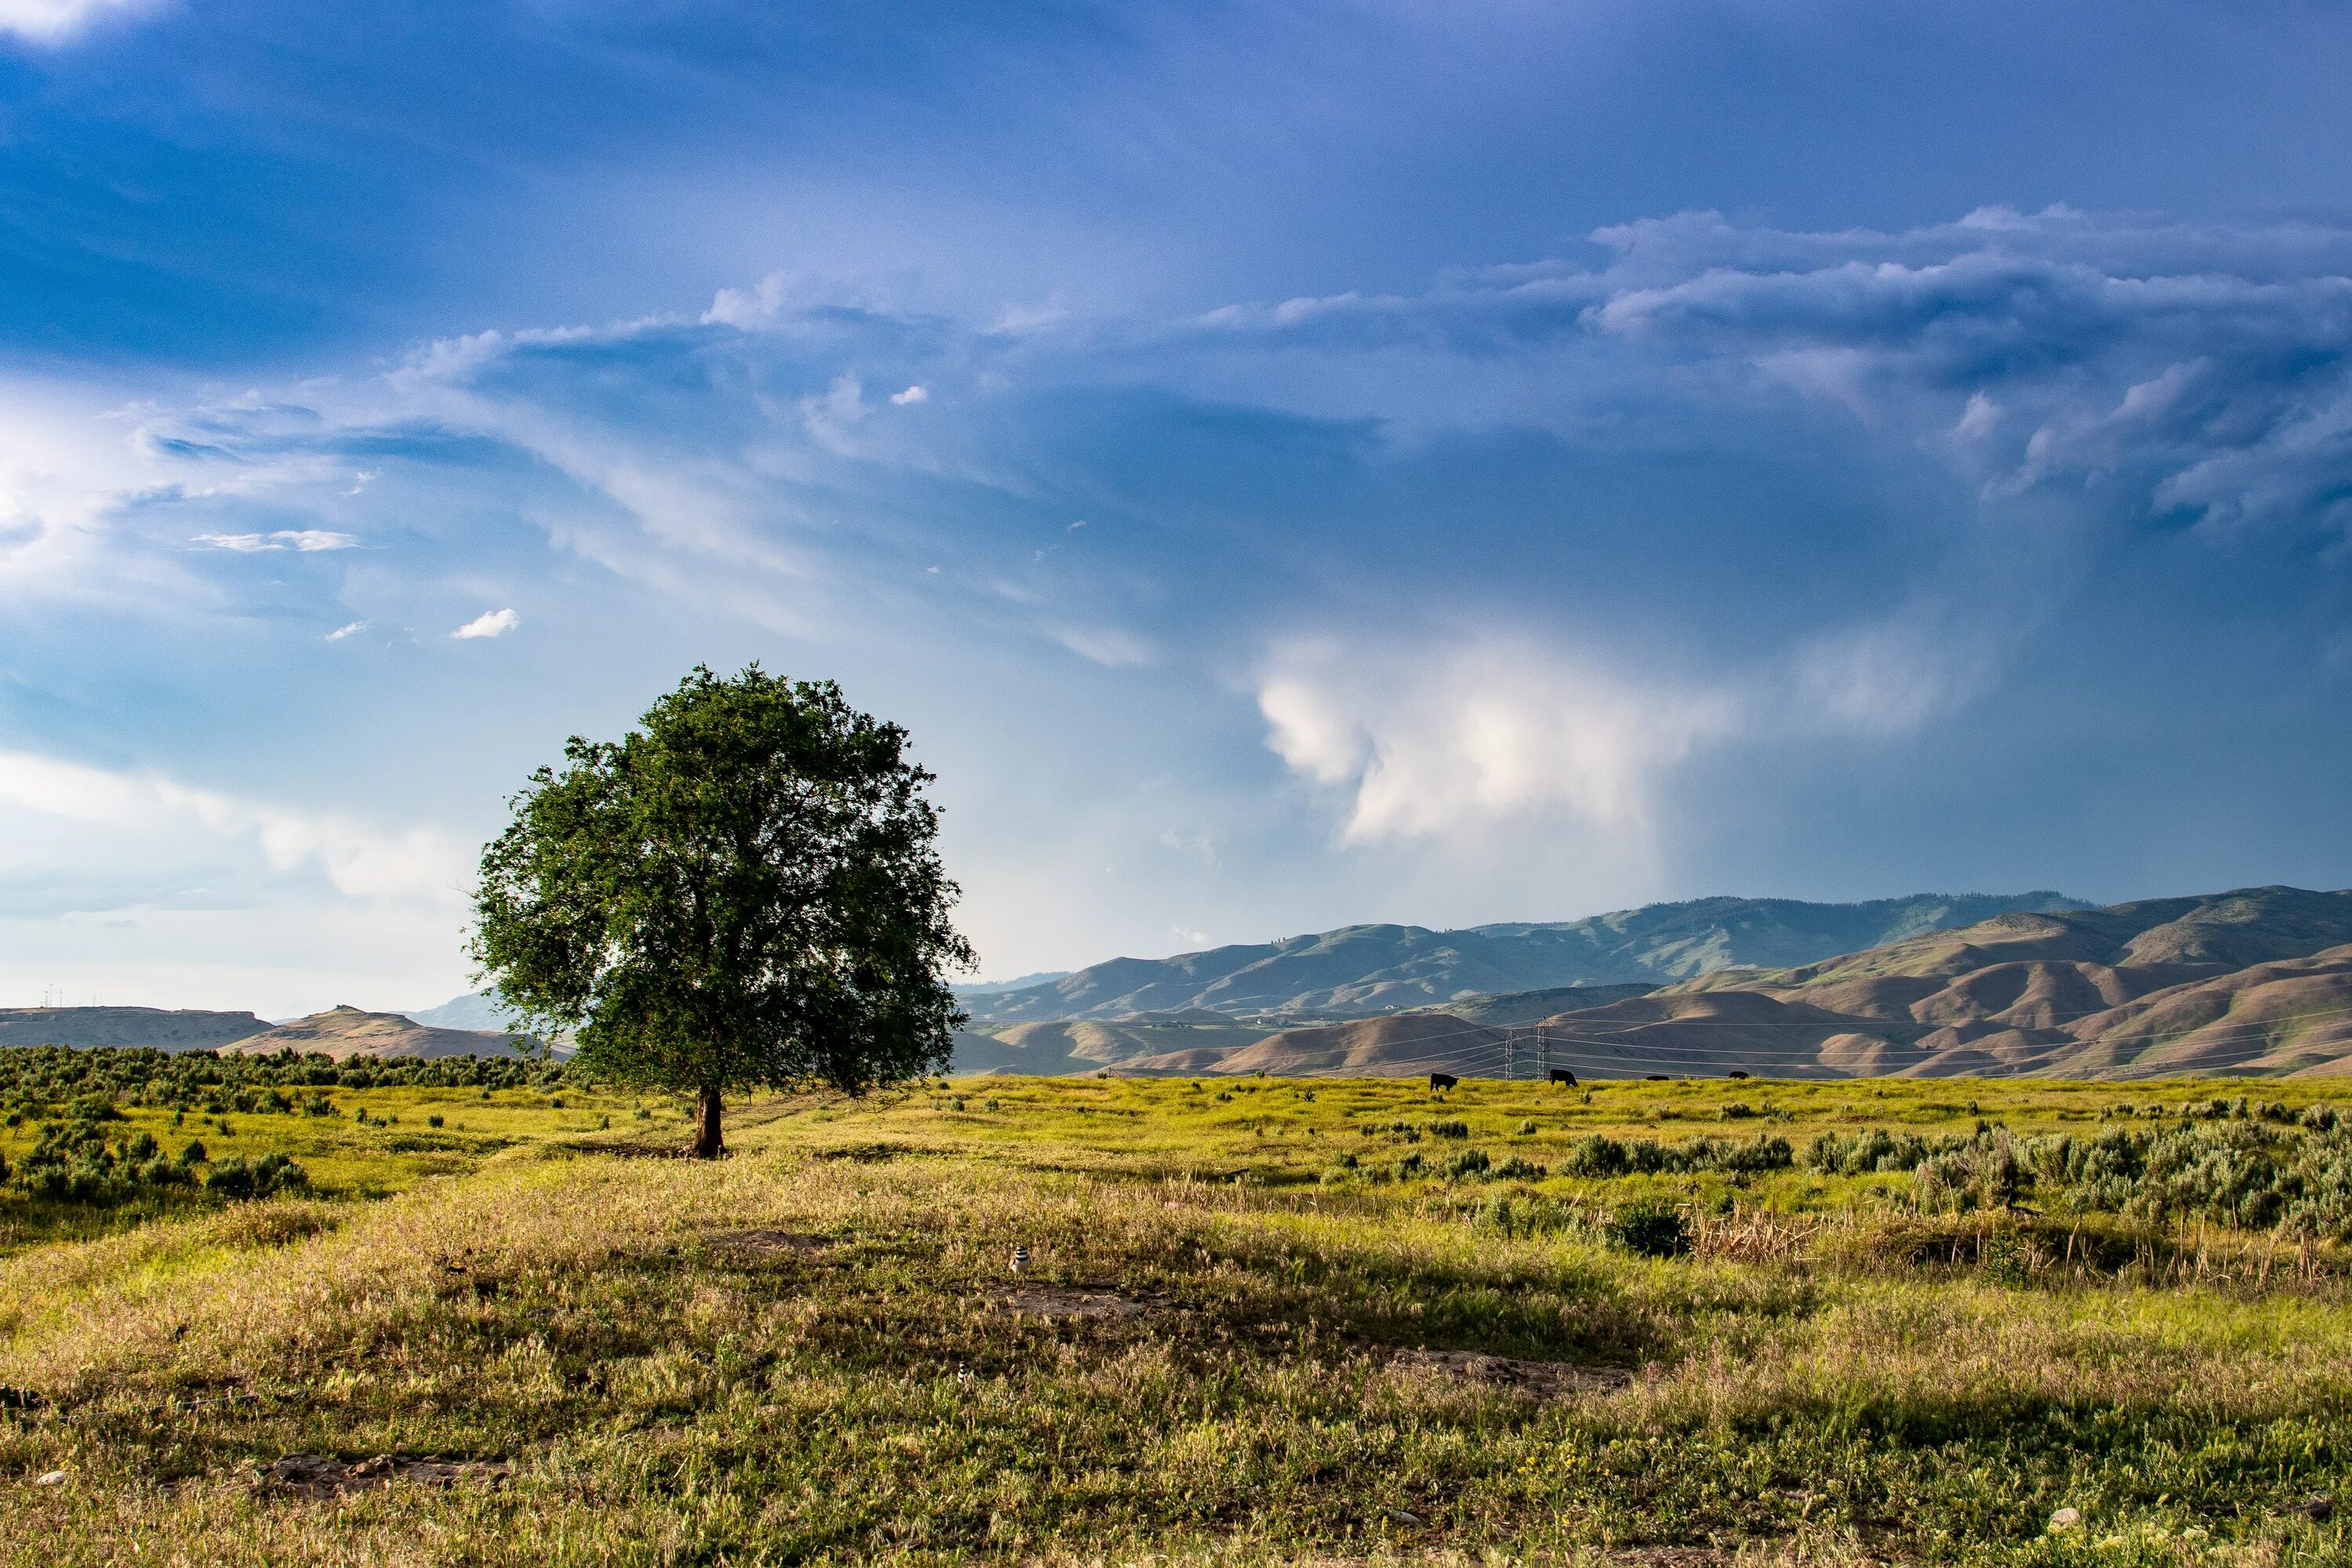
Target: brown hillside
(1399, 1046)
(1712, 1033)
(2292, 1016)
(1088, 1045)
(344, 1032)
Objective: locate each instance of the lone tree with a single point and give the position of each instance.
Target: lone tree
(742, 892)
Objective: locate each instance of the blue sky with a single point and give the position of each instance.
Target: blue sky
(1287, 464)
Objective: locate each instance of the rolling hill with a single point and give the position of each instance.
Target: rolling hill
(1368, 970)
(345, 1032)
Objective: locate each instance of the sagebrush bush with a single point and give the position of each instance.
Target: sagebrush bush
(1651, 1229)
(1597, 1154)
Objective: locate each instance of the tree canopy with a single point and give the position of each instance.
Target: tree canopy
(742, 892)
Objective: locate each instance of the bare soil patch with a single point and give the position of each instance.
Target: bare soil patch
(1061, 1303)
(1528, 1379)
(321, 1475)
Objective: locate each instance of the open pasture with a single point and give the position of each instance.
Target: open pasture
(1222, 1343)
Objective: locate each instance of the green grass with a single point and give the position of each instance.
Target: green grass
(1825, 1376)
(344, 1157)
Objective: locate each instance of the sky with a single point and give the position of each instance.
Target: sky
(1286, 464)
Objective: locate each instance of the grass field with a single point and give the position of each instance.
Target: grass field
(1249, 1329)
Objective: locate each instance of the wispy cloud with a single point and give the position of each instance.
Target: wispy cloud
(58, 21)
(305, 539)
(350, 630)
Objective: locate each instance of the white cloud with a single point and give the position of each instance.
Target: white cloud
(353, 629)
(912, 394)
(488, 624)
(55, 21)
(359, 861)
(1476, 734)
(1453, 735)
(1976, 421)
(306, 540)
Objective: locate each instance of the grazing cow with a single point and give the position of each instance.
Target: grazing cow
(1561, 1075)
(1438, 1080)
(1735, 1072)
(1655, 1077)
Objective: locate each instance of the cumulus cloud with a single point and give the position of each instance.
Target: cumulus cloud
(488, 624)
(916, 393)
(1450, 735)
(306, 540)
(1468, 736)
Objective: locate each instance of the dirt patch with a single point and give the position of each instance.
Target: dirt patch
(319, 1475)
(1066, 1303)
(774, 1243)
(1528, 1379)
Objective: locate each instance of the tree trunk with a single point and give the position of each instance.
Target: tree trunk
(707, 1143)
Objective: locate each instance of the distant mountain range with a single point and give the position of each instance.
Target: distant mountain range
(2257, 981)
(1019, 983)
(477, 1011)
(1366, 970)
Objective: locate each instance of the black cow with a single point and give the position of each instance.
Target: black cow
(1654, 1078)
(1438, 1080)
(1561, 1075)
(1735, 1072)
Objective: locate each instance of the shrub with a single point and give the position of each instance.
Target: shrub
(1447, 1128)
(1597, 1154)
(269, 1175)
(1469, 1163)
(1651, 1229)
